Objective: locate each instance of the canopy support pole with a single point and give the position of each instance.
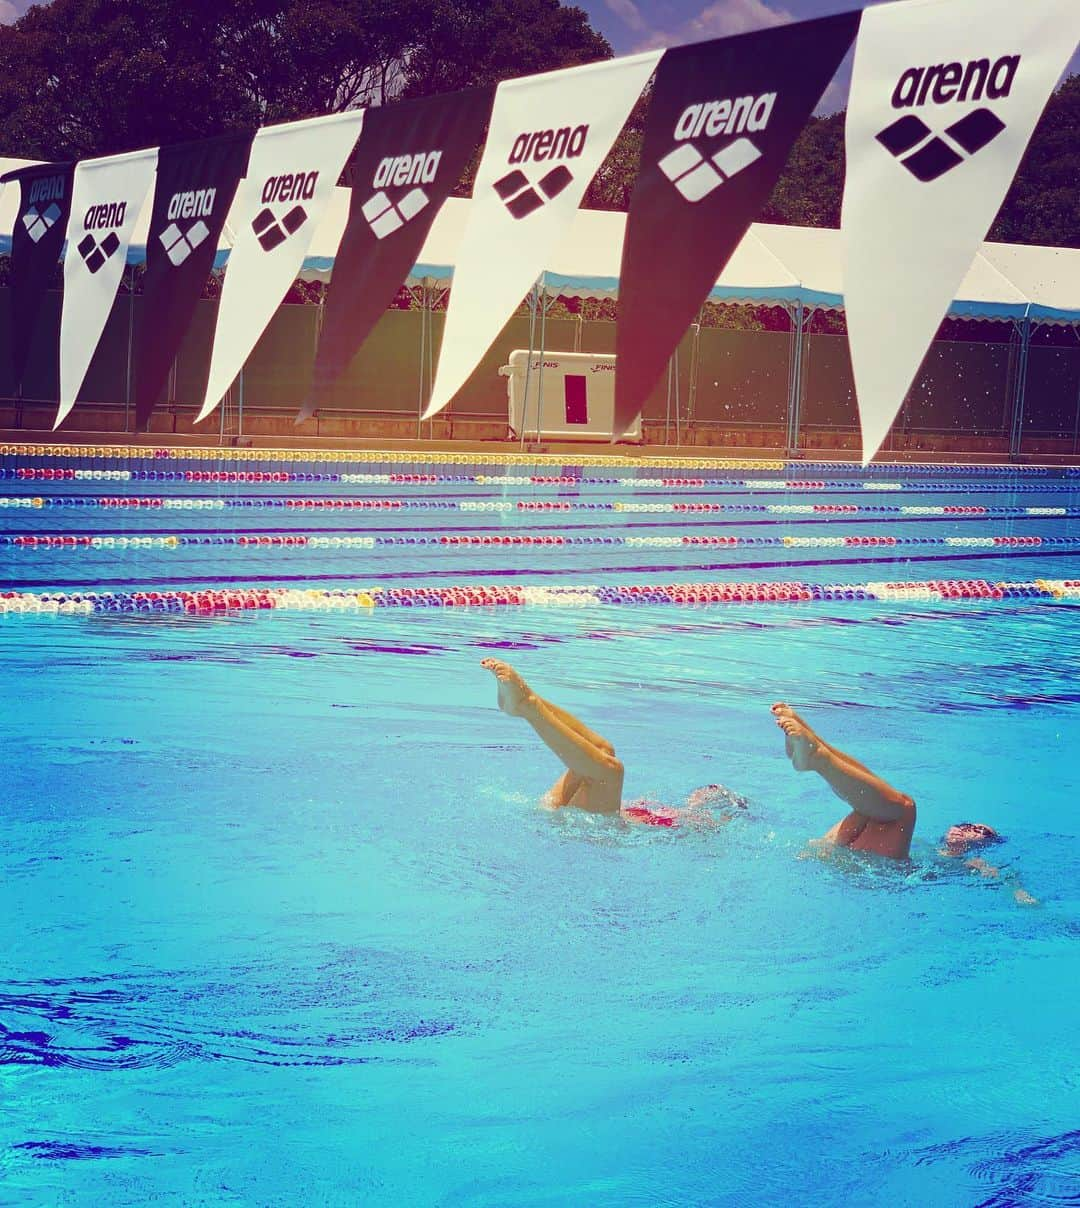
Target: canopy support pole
(667, 414)
(420, 402)
(130, 343)
(320, 318)
(1016, 438)
(170, 391)
(1076, 422)
(240, 404)
(796, 378)
(678, 399)
(533, 293)
(543, 342)
(695, 367)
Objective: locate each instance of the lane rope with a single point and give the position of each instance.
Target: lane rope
(569, 596)
(455, 541)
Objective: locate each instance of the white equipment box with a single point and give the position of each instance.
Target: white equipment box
(578, 395)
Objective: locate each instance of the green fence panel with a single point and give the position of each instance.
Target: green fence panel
(963, 387)
(743, 377)
(1052, 398)
(828, 386)
(106, 378)
(385, 374)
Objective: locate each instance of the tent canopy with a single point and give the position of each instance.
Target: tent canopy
(773, 265)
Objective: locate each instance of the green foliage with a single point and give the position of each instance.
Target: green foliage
(811, 186)
(486, 41)
(1043, 205)
(92, 77)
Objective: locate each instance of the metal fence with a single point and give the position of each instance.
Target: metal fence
(790, 387)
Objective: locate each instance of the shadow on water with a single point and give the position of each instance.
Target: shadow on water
(1045, 1170)
(57, 1026)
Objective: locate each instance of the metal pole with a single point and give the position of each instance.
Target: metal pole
(1010, 384)
(240, 405)
(320, 316)
(130, 341)
(795, 404)
(423, 343)
(695, 366)
(678, 400)
(429, 320)
(789, 310)
(667, 415)
(170, 392)
(528, 364)
(1076, 424)
(437, 297)
(1017, 437)
(540, 376)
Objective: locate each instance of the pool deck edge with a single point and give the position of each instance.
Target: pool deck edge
(691, 454)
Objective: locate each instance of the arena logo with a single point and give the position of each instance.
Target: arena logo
(927, 155)
(519, 194)
(42, 211)
(108, 216)
(271, 231)
(696, 174)
(381, 212)
(179, 242)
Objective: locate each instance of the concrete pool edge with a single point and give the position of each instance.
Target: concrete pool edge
(119, 444)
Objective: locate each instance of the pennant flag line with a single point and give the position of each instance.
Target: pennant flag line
(720, 126)
(106, 198)
(196, 183)
(293, 170)
(549, 134)
(945, 95)
(36, 242)
(944, 99)
(409, 158)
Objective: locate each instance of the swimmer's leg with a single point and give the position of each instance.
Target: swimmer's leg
(591, 766)
(782, 710)
(850, 780)
(576, 724)
(563, 791)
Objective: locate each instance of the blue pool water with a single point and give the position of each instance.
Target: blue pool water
(283, 924)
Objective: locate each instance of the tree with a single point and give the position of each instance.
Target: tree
(488, 41)
(1043, 204)
(91, 77)
(811, 186)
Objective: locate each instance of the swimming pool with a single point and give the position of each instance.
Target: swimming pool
(283, 924)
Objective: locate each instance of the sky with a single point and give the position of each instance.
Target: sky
(631, 25)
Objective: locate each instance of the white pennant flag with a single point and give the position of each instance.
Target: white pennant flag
(107, 196)
(292, 173)
(944, 97)
(548, 136)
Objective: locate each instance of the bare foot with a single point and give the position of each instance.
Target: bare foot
(801, 744)
(514, 692)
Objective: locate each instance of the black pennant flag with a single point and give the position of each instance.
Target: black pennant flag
(196, 183)
(408, 159)
(36, 242)
(722, 120)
